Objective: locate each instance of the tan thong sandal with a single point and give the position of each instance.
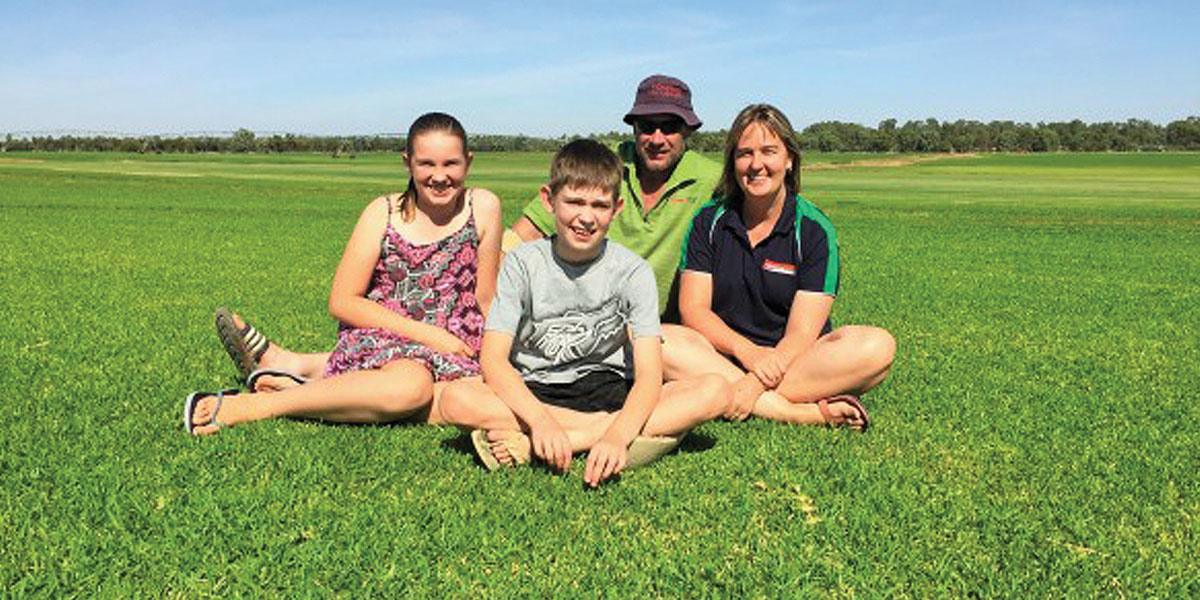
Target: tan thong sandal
(511, 442)
(645, 450)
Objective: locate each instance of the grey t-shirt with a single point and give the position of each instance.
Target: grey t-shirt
(570, 320)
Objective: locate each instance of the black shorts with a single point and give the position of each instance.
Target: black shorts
(594, 392)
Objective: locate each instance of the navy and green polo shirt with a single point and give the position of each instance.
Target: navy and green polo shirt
(753, 287)
(657, 235)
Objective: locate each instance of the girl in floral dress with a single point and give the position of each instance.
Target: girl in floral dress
(410, 292)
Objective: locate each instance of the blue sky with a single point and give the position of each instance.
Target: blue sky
(550, 68)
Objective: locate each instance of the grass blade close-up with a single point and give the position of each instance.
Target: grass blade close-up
(1039, 434)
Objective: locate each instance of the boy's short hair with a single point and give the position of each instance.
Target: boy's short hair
(586, 164)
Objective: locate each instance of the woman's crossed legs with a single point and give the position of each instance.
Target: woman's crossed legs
(848, 360)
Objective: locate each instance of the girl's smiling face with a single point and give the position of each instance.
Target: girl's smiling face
(761, 161)
(438, 166)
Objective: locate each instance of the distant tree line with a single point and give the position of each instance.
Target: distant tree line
(241, 141)
(929, 135)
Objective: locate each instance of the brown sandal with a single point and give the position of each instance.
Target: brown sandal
(823, 404)
(245, 346)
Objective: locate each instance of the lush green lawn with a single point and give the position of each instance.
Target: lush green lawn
(1039, 436)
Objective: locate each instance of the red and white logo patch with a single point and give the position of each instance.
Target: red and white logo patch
(779, 267)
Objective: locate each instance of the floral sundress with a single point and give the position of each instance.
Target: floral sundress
(433, 283)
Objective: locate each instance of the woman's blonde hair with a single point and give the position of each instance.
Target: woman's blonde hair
(777, 123)
(426, 123)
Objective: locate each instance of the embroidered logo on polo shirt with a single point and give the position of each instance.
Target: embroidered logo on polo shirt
(779, 267)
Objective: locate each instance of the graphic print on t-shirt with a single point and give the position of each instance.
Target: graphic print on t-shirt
(576, 334)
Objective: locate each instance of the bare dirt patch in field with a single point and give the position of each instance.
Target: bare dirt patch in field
(21, 160)
(884, 162)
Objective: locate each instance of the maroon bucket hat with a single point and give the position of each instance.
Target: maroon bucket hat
(663, 95)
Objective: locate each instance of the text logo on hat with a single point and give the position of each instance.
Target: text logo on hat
(664, 89)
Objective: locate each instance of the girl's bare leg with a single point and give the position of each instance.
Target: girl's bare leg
(399, 390)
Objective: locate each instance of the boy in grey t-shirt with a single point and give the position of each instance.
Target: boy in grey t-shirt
(571, 356)
(569, 320)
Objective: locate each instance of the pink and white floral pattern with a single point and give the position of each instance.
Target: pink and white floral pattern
(433, 283)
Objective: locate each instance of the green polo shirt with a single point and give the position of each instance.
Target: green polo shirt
(658, 235)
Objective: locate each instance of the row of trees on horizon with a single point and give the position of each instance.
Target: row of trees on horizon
(929, 135)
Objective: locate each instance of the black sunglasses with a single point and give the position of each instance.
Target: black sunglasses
(649, 126)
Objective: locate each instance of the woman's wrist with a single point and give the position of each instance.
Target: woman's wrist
(742, 349)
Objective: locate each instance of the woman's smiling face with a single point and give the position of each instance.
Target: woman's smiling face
(761, 163)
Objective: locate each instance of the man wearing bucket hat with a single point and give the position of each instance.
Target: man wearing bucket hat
(663, 186)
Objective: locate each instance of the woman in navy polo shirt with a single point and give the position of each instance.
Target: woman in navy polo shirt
(760, 273)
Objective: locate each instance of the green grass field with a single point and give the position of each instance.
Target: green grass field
(1039, 435)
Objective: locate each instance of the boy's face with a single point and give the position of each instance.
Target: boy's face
(581, 218)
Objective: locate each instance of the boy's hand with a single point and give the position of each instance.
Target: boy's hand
(550, 443)
(606, 458)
